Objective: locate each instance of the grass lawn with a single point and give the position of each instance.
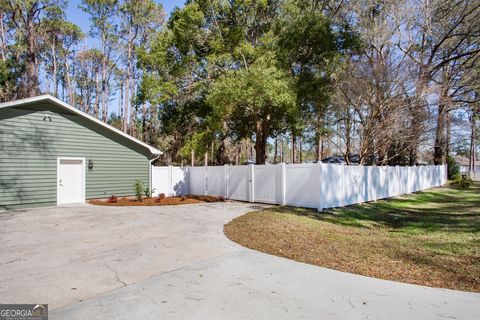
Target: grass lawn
(430, 238)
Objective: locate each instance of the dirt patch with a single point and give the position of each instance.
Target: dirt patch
(436, 244)
(154, 201)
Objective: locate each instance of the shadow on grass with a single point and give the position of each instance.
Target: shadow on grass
(447, 209)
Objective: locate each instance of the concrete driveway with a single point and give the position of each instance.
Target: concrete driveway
(174, 262)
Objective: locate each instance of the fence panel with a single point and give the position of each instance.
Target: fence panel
(216, 181)
(332, 189)
(393, 180)
(160, 180)
(197, 182)
(410, 179)
(382, 186)
(302, 183)
(172, 181)
(266, 182)
(353, 185)
(239, 183)
(179, 181)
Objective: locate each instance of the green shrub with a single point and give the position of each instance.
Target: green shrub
(139, 189)
(453, 170)
(464, 182)
(148, 192)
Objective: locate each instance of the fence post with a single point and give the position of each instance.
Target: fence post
(226, 181)
(320, 181)
(283, 184)
(187, 178)
(406, 171)
(375, 170)
(251, 189)
(366, 177)
(342, 199)
(399, 180)
(170, 178)
(206, 180)
(445, 174)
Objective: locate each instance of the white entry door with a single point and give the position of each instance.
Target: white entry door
(70, 180)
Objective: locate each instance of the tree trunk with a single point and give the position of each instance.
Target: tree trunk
(439, 149)
(105, 106)
(120, 107)
(3, 46)
(293, 148)
(282, 154)
(71, 95)
(318, 147)
(31, 89)
(54, 62)
(300, 153)
(97, 95)
(321, 149)
(261, 134)
(417, 113)
(275, 151)
(473, 147)
(144, 122)
(127, 105)
(221, 156)
(348, 133)
(448, 137)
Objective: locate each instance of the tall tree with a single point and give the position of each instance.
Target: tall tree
(258, 101)
(437, 33)
(29, 17)
(103, 14)
(139, 21)
(60, 37)
(87, 79)
(310, 45)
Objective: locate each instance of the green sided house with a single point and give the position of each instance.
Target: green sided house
(51, 153)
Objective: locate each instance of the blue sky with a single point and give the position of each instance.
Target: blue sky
(77, 16)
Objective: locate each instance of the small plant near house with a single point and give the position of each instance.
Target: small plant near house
(112, 199)
(139, 189)
(160, 197)
(148, 193)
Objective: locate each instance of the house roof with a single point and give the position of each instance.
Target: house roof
(463, 161)
(61, 104)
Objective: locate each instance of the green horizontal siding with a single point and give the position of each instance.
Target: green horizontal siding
(30, 144)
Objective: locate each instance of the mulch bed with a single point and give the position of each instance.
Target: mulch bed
(154, 201)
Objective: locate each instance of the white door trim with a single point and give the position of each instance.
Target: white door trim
(83, 175)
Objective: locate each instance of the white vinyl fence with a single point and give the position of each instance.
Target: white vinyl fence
(301, 185)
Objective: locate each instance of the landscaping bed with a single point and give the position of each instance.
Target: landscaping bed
(431, 238)
(156, 201)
